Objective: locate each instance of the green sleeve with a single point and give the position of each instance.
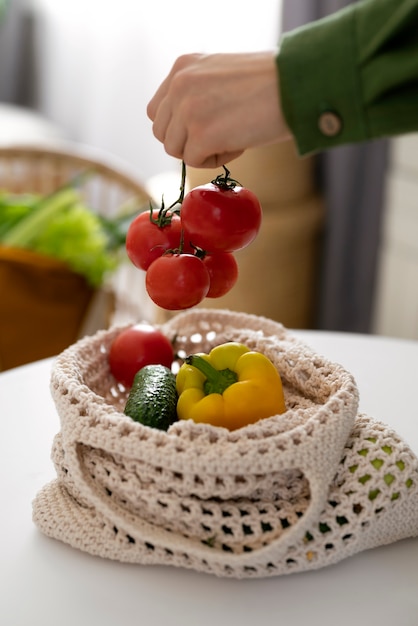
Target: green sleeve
(351, 76)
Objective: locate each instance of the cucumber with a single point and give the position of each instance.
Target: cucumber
(153, 397)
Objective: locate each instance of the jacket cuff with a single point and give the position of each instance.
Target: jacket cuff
(320, 86)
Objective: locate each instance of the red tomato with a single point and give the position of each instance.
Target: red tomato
(146, 241)
(223, 273)
(217, 218)
(135, 347)
(177, 281)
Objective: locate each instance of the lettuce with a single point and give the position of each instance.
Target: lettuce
(12, 210)
(62, 226)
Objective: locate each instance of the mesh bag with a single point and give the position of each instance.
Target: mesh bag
(289, 493)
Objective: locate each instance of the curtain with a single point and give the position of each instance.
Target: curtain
(352, 181)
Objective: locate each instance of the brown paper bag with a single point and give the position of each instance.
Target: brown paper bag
(42, 306)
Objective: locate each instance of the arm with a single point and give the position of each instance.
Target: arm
(352, 76)
(349, 77)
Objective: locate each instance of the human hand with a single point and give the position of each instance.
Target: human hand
(211, 108)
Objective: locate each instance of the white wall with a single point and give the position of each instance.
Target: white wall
(100, 61)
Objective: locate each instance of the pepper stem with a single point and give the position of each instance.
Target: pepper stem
(216, 380)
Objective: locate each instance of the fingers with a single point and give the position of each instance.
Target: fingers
(181, 120)
(182, 62)
(216, 160)
(170, 130)
(196, 149)
(166, 111)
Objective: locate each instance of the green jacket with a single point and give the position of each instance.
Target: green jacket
(351, 76)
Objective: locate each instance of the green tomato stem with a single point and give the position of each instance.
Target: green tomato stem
(182, 187)
(224, 181)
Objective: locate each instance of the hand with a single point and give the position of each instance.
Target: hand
(211, 108)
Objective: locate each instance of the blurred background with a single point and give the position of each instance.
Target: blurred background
(338, 249)
(91, 66)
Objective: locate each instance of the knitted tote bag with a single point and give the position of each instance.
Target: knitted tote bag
(292, 492)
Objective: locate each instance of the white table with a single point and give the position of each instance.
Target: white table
(44, 582)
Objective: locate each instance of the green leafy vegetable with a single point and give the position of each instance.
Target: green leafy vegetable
(12, 210)
(62, 226)
(76, 237)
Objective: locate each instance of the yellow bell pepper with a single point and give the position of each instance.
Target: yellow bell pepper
(230, 387)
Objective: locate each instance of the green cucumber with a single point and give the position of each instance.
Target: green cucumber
(153, 397)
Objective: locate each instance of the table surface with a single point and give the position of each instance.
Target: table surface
(45, 582)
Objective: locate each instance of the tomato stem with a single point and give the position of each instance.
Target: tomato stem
(182, 188)
(224, 181)
(162, 219)
(165, 214)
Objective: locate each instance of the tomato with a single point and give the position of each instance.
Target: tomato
(220, 218)
(177, 281)
(135, 347)
(146, 241)
(223, 273)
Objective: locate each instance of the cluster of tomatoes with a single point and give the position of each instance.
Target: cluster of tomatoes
(187, 250)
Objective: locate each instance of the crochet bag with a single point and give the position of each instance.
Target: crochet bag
(292, 492)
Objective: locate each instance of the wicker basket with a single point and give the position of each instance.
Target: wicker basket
(44, 169)
(292, 492)
(46, 306)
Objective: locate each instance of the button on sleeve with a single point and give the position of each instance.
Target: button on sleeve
(319, 81)
(330, 124)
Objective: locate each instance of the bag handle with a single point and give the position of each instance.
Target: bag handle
(317, 456)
